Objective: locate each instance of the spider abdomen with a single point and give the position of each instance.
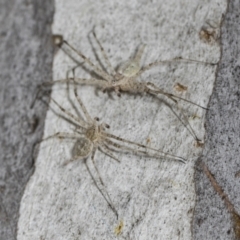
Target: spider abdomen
(82, 148)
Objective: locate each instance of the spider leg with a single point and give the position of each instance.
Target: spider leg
(179, 59)
(89, 119)
(38, 90)
(112, 70)
(99, 71)
(107, 199)
(94, 164)
(157, 153)
(73, 69)
(92, 81)
(187, 124)
(51, 83)
(106, 150)
(62, 135)
(82, 81)
(68, 91)
(76, 119)
(171, 96)
(95, 167)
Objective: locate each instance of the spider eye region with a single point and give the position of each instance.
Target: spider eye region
(82, 148)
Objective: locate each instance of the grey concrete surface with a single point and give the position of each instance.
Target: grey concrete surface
(25, 60)
(222, 149)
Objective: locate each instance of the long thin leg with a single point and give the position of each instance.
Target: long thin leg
(73, 69)
(78, 120)
(51, 83)
(89, 119)
(112, 70)
(94, 164)
(109, 201)
(105, 149)
(92, 82)
(187, 124)
(158, 153)
(39, 88)
(157, 90)
(68, 91)
(62, 135)
(66, 118)
(59, 135)
(81, 81)
(87, 81)
(96, 69)
(186, 60)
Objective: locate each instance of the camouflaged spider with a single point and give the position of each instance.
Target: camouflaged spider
(124, 79)
(90, 136)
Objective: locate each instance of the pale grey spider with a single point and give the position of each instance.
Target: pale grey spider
(124, 79)
(90, 136)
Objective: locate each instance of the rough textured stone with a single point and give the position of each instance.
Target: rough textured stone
(154, 197)
(25, 60)
(222, 149)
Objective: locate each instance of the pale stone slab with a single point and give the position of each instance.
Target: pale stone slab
(154, 198)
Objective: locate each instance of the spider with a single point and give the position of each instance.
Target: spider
(124, 79)
(90, 136)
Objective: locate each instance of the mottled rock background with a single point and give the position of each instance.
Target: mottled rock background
(26, 55)
(221, 153)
